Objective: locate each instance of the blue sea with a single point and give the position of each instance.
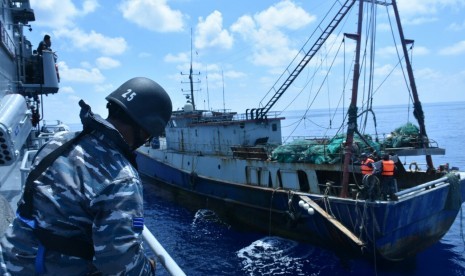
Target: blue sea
(203, 244)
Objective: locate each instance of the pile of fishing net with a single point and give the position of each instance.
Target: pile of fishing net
(404, 136)
(321, 151)
(331, 151)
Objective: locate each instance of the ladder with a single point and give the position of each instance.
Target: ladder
(292, 75)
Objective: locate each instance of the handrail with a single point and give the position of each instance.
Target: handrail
(165, 259)
(441, 180)
(26, 166)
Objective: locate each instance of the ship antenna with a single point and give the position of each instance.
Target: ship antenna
(191, 81)
(206, 80)
(222, 78)
(190, 77)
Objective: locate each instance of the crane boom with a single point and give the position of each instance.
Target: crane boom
(261, 112)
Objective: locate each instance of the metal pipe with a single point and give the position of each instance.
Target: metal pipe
(163, 256)
(422, 186)
(352, 112)
(417, 109)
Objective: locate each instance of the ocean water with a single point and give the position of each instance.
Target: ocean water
(203, 244)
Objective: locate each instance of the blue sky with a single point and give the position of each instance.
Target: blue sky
(240, 48)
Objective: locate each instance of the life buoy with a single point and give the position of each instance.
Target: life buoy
(413, 164)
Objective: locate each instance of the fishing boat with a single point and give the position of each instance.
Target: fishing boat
(313, 189)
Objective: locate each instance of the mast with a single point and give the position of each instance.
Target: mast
(191, 81)
(190, 78)
(417, 108)
(352, 112)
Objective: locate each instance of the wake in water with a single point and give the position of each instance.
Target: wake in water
(273, 256)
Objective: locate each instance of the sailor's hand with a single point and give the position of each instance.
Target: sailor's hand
(153, 265)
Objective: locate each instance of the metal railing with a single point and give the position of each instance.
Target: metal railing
(162, 255)
(165, 259)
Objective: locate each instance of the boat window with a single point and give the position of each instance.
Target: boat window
(260, 176)
(274, 127)
(280, 181)
(303, 181)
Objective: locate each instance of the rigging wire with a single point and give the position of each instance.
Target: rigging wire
(371, 29)
(319, 89)
(297, 57)
(310, 100)
(398, 56)
(328, 93)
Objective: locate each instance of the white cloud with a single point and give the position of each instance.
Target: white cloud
(66, 90)
(180, 57)
(428, 74)
(269, 44)
(390, 51)
(107, 63)
(210, 32)
(89, 6)
(60, 13)
(424, 9)
(232, 74)
(457, 26)
(431, 82)
(152, 15)
(456, 49)
(285, 14)
(213, 67)
(144, 55)
(79, 75)
(384, 70)
(245, 26)
(74, 98)
(86, 64)
(419, 20)
(93, 41)
(107, 87)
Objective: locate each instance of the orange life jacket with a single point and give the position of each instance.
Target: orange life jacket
(388, 168)
(365, 168)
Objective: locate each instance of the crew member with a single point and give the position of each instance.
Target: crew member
(45, 44)
(81, 212)
(388, 182)
(366, 165)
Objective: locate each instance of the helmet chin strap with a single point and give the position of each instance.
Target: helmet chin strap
(137, 139)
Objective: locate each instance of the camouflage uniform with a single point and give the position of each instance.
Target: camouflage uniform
(92, 192)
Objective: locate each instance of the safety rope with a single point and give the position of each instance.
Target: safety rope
(271, 206)
(373, 240)
(461, 228)
(326, 200)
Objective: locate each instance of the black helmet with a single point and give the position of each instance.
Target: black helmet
(146, 102)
